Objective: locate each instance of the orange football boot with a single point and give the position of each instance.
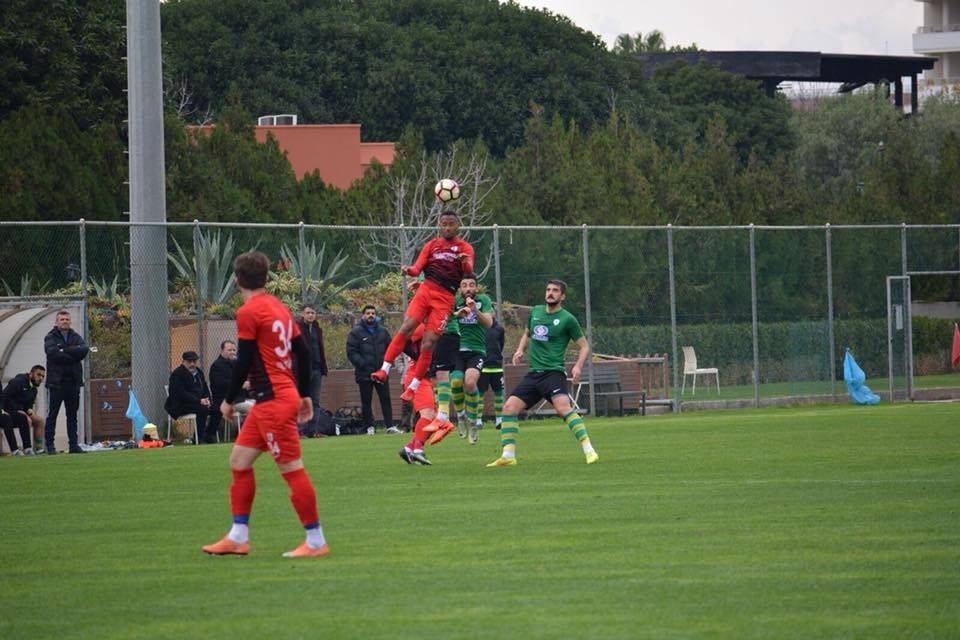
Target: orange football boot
(440, 429)
(227, 547)
(306, 551)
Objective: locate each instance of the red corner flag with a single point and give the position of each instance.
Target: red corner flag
(955, 350)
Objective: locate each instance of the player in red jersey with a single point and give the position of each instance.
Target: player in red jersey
(444, 261)
(267, 339)
(424, 403)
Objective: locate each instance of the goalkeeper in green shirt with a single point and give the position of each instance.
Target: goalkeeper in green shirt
(549, 329)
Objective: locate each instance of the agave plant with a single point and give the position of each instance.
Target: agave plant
(106, 290)
(309, 268)
(211, 267)
(28, 287)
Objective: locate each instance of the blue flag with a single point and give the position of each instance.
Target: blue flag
(136, 415)
(854, 376)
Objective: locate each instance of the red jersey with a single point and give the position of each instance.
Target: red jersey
(265, 319)
(445, 261)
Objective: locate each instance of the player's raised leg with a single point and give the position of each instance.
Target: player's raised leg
(397, 343)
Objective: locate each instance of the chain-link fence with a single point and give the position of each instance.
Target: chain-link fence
(771, 309)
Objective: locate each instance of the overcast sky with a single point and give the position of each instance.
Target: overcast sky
(829, 26)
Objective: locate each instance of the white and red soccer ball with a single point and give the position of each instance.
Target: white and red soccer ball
(447, 190)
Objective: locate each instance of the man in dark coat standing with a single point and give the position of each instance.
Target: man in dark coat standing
(366, 344)
(65, 351)
(313, 334)
(189, 393)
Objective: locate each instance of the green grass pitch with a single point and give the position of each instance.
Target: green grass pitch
(827, 521)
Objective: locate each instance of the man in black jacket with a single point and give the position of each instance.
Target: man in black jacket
(189, 393)
(366, 344)
(18, 399)
(313, 334)
(65, 351)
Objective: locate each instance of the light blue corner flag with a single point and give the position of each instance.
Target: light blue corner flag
(854, 376)
(136, 415)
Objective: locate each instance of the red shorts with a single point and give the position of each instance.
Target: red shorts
(423, 397)
(272, 426)
(432, 306)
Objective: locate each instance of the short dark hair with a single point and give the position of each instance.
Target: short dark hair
(225, 343)
(251, 269)
(62, 312)
(559, 283)
(469, 276)
(36, 367)
(368, 306)
(450, 212)
(307, 306)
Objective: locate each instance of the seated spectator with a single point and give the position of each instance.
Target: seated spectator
(188, 392)
(18, 399)
(221, 371)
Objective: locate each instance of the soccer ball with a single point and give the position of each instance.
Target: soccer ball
(447, 190)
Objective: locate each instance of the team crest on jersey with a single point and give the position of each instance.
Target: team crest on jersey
(556, 322)
(540, 332)
(454, 248)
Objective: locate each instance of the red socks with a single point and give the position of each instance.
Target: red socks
(423, 363)
(242, 490)
(303, 496)
(419, 437)
(395, 348)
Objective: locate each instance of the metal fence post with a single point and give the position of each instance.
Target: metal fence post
(586, 290)
(302, 249)
(403, 261)
(753, 316)
(673, 321)
(828, 234)
(201, 275)
(496, 271)
(85, 332)
(903, 248)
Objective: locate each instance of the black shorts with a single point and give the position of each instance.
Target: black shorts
(446, 353)
(541, 385)
(492, 380)
(470, 360)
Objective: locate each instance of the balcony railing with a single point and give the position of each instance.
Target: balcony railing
(940, 28)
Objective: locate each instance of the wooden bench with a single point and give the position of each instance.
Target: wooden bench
(608, 382)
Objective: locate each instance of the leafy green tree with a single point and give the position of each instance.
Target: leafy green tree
(64, 54)
(453, 70)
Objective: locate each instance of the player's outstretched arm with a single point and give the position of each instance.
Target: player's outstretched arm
(522, 347)
(415, 269)
(581, 359)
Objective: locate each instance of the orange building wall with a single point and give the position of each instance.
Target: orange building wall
(334, 150)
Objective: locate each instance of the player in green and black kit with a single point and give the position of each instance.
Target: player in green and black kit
(474, 316)
(549, 330)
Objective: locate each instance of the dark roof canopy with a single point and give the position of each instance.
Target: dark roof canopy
(773, 67)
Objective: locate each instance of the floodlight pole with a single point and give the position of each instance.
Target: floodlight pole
(754, 320)
(149, 330)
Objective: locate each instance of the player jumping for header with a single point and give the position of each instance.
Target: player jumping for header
(444, 261)
(549, 330)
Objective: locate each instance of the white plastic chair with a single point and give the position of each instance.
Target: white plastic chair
(690, 369)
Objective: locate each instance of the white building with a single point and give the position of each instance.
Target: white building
(940, 36)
